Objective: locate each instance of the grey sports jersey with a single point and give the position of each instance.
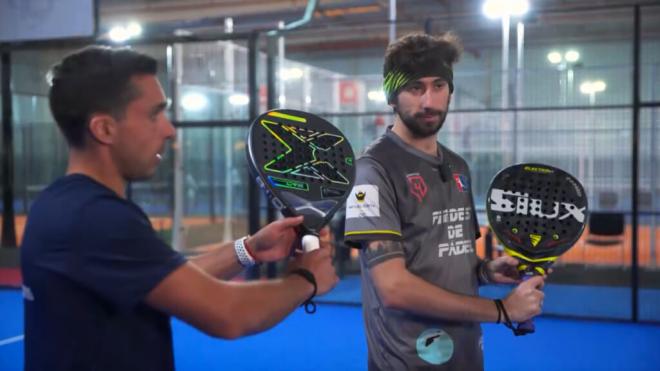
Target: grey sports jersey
(400, 195)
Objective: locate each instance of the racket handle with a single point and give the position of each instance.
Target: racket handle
(310, 242)
(526, 327)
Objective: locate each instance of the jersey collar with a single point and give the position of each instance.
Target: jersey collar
(433, 160)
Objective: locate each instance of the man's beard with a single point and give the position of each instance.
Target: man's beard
(420, 129)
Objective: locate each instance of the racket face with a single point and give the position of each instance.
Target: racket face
(537, 211)
(305, 164)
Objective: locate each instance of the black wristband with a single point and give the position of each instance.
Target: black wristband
(499, 310)
(482, 272)
(507, 320)
(310, 306)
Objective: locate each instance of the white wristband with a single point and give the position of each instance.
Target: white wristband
(243, 255)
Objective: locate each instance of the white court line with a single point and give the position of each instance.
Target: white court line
(11, 340)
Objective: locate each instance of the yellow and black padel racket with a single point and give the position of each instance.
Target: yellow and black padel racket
(304, 163)
(537, 212)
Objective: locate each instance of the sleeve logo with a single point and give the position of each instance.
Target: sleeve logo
(363, 202)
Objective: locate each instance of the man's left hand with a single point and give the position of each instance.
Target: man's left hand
(503, 270)
(274, 241)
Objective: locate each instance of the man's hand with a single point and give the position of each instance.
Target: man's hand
(319, 262)
(503, 270)
(274, 241)
(526, 300)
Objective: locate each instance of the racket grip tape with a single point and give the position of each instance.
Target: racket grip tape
(310, 243)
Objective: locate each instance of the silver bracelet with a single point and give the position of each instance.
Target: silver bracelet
(244, 257)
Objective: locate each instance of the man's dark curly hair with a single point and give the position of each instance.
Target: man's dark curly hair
(419, 55)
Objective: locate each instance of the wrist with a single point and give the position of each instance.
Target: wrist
(243, 254)
(250, 243)
(304, 282)
(308, 276)
(483, 272)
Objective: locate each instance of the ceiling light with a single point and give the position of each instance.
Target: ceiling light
(554, 57)
(194, 101)
(376, 96)
(572, 56)
(291, 73)
(494, 9)
(239, 99)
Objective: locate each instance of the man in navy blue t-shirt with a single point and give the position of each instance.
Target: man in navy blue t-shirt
(99, 285)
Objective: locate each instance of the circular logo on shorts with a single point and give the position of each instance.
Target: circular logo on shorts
(435, 346)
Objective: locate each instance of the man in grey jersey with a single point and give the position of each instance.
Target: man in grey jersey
(412, 213)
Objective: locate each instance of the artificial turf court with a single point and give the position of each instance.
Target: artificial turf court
(333, 340)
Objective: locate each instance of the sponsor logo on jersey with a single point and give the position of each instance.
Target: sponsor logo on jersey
(363, 202)
(462, 182)
(417, 186)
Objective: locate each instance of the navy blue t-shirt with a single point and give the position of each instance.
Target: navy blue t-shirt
(88, 260)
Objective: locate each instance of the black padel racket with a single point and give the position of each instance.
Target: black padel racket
(537, 212)
(304, 163)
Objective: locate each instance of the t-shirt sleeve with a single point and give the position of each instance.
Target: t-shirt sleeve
(371, 212)
(121, 258)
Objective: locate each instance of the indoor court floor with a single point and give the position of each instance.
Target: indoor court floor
(333, 340)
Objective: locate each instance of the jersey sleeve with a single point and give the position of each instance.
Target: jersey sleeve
(121, 257)
(371, 212)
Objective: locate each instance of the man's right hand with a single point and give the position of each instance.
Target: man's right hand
(526, 300)
(319, 262)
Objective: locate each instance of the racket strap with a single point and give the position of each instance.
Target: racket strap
(310, 306)
(501, 313)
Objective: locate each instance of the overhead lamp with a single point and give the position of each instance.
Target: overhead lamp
(572, 56)
(119, 34)
(291, 73)
(122, 33)
(134, 29)
(376, 96)
(239, 100)
(495, 9)
(591, 87)
(554, 57)
(194, 101)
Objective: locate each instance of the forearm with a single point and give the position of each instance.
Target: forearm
(220, 261)
(413, 294)
(227, 309)
(399, 289)
(264, 304)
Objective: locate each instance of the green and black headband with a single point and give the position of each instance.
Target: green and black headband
(397, 77)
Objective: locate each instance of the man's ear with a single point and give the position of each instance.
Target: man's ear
(393, 105)
(102, 128)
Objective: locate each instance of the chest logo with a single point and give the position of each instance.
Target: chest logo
(462, 182)
(417, 186)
